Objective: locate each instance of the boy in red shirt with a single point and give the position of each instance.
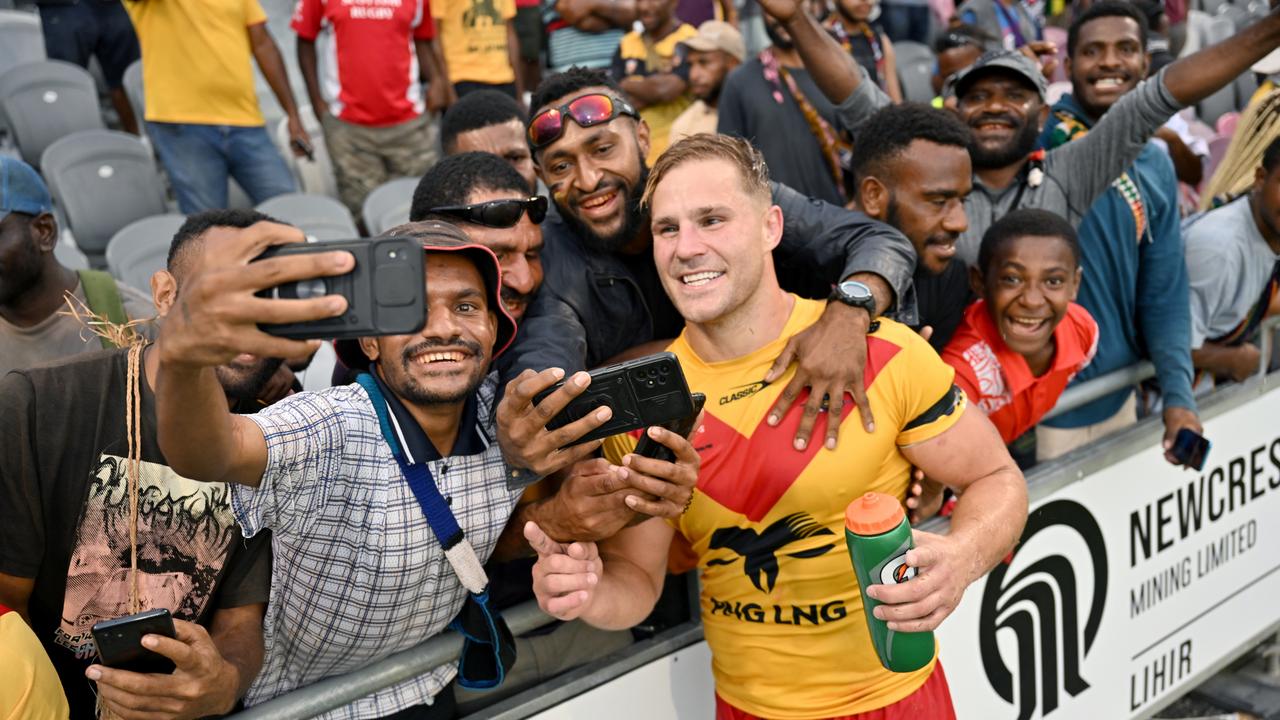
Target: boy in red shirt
(1025, 338)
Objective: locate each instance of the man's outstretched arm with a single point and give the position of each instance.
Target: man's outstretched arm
(968, 457)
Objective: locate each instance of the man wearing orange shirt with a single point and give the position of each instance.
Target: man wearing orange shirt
(765, 521)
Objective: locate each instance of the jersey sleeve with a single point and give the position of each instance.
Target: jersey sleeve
(507, 9)
(307, 15)
(253, 13)
(438, 9)
(426, 27)
(928, 401)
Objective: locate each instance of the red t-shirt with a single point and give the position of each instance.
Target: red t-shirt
(368, 70)
(999, 381)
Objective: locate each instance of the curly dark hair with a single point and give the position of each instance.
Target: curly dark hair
(890, 131)
(476, 110)
(451, 181)
(1022, 223)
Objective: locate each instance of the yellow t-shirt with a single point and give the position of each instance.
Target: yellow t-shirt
(636, 56)
(31, 689)
(474, 33)
(197, 60)
(780, 602)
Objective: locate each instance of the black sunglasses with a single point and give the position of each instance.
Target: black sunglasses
(498, 213)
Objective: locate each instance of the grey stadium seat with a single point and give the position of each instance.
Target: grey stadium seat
(388, 205)
(140, 248)
(320, 217)
(132, 81)
(47, 100)
(915, 71)
(102, 180)
(1223, 101)
(21, 39)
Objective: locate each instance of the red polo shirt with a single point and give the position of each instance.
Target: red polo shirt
(999, 381)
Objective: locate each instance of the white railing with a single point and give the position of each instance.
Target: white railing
(340, 690)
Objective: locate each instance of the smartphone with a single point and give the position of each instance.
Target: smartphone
(386, 292)
(650, 448)
(1191, 448)
(645, 391)
(119, 641)
(305, 148)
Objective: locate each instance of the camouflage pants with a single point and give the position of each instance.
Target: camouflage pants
(365, 157)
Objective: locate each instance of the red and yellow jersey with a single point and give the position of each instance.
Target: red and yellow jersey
(780, 602)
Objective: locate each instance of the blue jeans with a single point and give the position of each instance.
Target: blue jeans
(200, 158)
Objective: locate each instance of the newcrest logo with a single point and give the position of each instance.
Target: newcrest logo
(1028, 604)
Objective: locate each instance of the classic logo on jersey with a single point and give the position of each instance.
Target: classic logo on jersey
(743, 391)
(1039, 606)
(759, 551)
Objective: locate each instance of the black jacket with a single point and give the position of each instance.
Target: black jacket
(593, 305)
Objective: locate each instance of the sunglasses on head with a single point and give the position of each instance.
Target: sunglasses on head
(586, 110)
(498, 213)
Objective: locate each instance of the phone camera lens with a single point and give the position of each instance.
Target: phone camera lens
(392, 254)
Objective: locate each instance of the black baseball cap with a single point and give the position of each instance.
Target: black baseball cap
(1008, 61)
(439, 236)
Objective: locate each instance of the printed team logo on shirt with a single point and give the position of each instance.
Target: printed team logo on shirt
(991, 385)
(759, 551)
(482, 13)
(743, 391)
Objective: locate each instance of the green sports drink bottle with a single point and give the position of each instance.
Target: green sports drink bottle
(878, 536)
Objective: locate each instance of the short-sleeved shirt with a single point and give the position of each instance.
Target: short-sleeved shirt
(697, 118)
(639, 56)
(361, 573)
(64, 515)
(1229, 265)
(474, 37)
(780, 603)
(197, 61)
(31, 690)
(999, 380)
(368, 68)
(60, 335)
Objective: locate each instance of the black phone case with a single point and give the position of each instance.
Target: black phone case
(386, 292)
(650, 448)
(646, 391)
(119, 641)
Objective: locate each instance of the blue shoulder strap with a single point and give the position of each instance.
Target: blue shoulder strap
(418, 475)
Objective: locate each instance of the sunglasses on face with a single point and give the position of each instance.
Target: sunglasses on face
(498, 213)
(586, 110)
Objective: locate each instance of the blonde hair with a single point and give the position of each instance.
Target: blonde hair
(753, 173)
(1259, 126)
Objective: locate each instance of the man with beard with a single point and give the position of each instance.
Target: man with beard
(337, 475)
(65, 551)
(713, 53)
(602, 295)
(911, 169)
(1131, 245)
(34, 285)
(487, 198)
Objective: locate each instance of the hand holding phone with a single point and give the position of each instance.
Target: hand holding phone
(650, 448)
(119, 641)
(303, 147)
(1190, 448)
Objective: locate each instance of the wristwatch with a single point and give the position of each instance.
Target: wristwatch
(856, 294)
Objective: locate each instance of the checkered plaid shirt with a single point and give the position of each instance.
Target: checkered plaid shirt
(358, 574)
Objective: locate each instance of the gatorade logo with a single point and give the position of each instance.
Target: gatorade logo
(897, 571)
(1041, 608)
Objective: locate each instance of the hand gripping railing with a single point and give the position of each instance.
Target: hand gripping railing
(341, 690)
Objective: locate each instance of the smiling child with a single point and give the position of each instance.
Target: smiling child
(1023, 341)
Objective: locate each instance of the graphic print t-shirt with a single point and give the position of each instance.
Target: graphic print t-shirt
(474, 33)
(64, 515)
(780, 603)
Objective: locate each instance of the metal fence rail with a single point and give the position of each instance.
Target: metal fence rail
(340, 690)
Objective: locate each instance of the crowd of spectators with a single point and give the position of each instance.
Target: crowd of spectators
(844, 273)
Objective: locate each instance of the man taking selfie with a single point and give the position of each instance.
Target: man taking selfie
(765, 522)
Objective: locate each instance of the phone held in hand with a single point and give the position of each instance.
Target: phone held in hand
(303, 147)
(1190, 448)
(385, 292)
(645, 391)
(650, 448)
(119, 641)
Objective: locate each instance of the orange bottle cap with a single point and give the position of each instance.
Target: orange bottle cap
(873, 514)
